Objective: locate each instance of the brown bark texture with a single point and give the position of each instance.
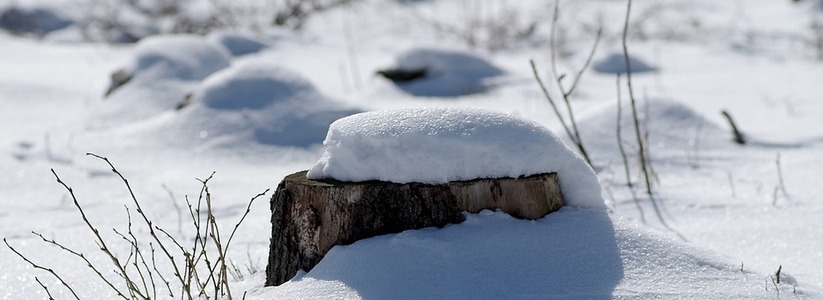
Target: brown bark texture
(309, 217)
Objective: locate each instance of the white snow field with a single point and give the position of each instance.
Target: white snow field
(255, 106)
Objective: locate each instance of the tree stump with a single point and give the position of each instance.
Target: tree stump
(309, 217)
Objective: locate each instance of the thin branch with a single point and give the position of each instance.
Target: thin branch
(620, 135)
(559, 79)
(780, 181)
(641, 144)
(84, 258)
(44, 288)
(586, 64)
(156, 271)
(176, 208)
(142, 214)
(36, 266)
(243, 218)
(551, 101)
(103, 246)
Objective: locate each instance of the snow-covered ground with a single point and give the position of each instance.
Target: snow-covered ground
(719, 225)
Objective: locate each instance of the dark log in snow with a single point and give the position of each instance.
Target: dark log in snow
(309, 217)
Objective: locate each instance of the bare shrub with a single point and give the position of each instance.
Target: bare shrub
(184, 267)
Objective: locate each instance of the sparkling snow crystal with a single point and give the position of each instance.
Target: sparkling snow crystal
(437, 145)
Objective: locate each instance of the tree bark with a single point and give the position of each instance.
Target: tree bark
(309, 217)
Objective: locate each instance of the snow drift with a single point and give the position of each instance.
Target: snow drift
(163, 71)
(186, 57)
(671, 125)
(260, 102)
(449, 73)
(238, 43)
(570, 254)
(615, 63)
(438, 145)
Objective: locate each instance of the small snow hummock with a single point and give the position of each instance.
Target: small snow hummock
(440, 144)
(615, 63)
(237, 42)
(181, 56)
(262, 100)
(448, 73)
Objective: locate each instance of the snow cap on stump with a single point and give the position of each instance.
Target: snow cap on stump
(440, 144)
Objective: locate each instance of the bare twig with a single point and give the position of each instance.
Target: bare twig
(85, 259)
(781, 183)
(176, 208)
(559, 79)
(243, 218)
(623, 155)
(197, 281)
(99, 240)
(551, 101)
(620, 135)
(36, 266)
(640, 142)
(44, 288)
(142, 214)
(777, 274)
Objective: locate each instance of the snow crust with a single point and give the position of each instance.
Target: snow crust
(449, 73)
(441, 144)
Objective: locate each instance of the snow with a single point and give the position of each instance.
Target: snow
(33, 20)
(163, 70)
(257, 101)
(616, 63)
(441, 144)
(237, 42)
(177, 56)
(717, 227)
(449, 73)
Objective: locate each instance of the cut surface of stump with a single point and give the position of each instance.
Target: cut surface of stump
(309, 217)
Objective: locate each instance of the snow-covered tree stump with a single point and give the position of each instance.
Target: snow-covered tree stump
(309, 217)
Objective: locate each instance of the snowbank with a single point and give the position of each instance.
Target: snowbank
(163, 71)
(449, 73)
(258, 101)
(673, 127)
(437, 145)
(238, 43)
(187, 57)
(615, 63)
(570, 254)
(32, 20)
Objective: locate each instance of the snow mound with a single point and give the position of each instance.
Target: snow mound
(259, 101)
(570, 254)
(437, 145)
(164, 70)
(186, 57)
(671, 124)
(238, 43)
(615, 63)
(449, 73)
(32, 20)
(253, 86)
